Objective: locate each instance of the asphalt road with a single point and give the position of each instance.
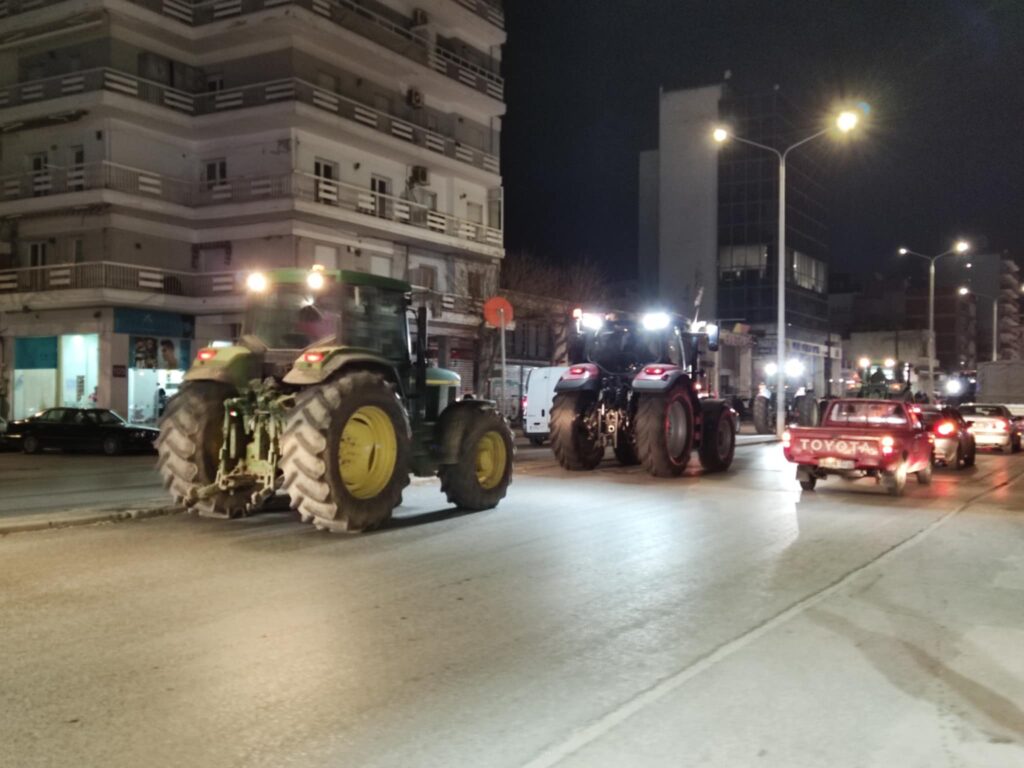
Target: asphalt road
(599, 619)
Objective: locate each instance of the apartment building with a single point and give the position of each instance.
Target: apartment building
(153, 152)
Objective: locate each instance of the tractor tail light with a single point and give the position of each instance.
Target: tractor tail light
(313, 357)
(207, 353)
(945, 428)
(888, 445)
(654, 370)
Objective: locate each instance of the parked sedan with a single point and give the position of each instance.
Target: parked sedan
(79, 429)
(993, 426)
(953, 439)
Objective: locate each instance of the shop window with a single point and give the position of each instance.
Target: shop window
(156, 370)
(35, 375)
(79, 367)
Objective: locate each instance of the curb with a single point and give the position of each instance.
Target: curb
(745, 440)
(75, 517)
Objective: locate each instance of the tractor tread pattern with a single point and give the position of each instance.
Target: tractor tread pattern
(570, 447)
(651, 442)
(459, 482)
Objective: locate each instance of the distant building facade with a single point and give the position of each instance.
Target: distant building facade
(153, 153)
(708, 218)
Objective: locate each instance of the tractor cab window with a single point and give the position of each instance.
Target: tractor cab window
(290, 318)
(375, 319)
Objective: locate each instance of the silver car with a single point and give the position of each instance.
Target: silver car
(993, 426)
(952, 439)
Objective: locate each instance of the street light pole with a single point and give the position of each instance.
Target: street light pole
(960, 247)
(846, 122)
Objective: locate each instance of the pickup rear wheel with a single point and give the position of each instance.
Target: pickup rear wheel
(924, 476)
(894, 482)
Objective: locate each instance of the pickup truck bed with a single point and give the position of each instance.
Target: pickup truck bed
(880, 438)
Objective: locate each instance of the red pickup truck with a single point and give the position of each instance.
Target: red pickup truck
(884, 439)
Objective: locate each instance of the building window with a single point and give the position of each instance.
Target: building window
(380, 266)
(77, 250)
(326, 173)
(738, 261)
(475, 283)
(381, 188)
(216, 173)
(475, 213)
(809, 273)
(424, 276)
(37, 254)
(214, 83)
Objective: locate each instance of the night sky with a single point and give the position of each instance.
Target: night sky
(942, 156)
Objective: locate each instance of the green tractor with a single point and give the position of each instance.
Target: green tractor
(321, 398)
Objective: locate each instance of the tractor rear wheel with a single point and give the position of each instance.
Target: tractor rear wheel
(664, 431)
(191, 435)
(806, 411)
(576, 444)
(482, 475)
(763, 422)
(717, 440)
(345, 453)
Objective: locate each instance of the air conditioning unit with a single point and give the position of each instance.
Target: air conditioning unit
(419, 175)
(414, 97)
(419, 18)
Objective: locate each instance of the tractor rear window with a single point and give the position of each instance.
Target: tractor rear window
(868, 413)
(375, 319)
(290, 318)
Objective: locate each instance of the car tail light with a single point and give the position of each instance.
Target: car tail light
(888, 444)
(1001, 425)
(522, 403)
(945, 428)
(787, 439)
(313, 357)
(207, 353)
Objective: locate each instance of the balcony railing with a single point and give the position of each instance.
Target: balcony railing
(307, 187)
(116, 276)
(353, 15)
(486, 10)
(285, 89)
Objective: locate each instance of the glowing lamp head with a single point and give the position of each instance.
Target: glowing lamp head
(963, 290)
(962, 246)
(903, 251)
(794, 368)
(771, 370)
(847, 120)
(864, 362)
(655, 321)
(315, 279)
(256, 282)
(720, 134)
(890, 363)
(591, 321)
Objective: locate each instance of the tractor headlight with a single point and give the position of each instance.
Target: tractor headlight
(315, 279)
(794, 368)
(954, 387)
(771, 370)
(591, 322)
(256, 282)
(655, 321)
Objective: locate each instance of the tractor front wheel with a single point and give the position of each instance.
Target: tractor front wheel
(480, 478)
(345, 453)
(717, 440)
(764, 422)
(191, 435)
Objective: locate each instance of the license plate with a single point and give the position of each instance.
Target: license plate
(830, 463)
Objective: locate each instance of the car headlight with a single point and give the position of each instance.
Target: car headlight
(953, 387)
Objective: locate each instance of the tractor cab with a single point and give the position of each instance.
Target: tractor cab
(887, 379)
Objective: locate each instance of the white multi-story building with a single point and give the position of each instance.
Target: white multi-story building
(154, 151)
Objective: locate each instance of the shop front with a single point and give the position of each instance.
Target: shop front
(157, 349)
(53, 371)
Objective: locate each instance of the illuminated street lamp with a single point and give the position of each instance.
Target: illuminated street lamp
(960, 247)
(845, 122)
(965, 291)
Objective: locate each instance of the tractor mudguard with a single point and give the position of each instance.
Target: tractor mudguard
(579, 378)
(235, 365)
(319, 364)
(709, 407)
(453, 422)
(659, 378)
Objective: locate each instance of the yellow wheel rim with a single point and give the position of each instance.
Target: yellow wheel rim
(491, 457)
(368, 452)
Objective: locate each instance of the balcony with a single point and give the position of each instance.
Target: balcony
(370, 207)
(115, 276)
(274, 91)
(486, 10)
(354, 15)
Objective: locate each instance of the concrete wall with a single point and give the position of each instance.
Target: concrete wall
(688, 198)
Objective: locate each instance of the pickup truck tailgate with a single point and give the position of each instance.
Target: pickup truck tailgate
(837, 449)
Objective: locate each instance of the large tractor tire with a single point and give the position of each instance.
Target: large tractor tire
(575, 445)
(345, 453)
(763, 421)
(717, 440)
(806, 408)
(664, 431)
(191, 435)
(482, 475)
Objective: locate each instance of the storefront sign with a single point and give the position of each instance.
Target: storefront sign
(153, 323)
(35, 353)
(153, 352)
(120, 372)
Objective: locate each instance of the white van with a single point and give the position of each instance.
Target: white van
(539, 392)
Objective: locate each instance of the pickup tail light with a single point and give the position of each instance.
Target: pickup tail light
(787, 439)
(888, 445)
(945, 428)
